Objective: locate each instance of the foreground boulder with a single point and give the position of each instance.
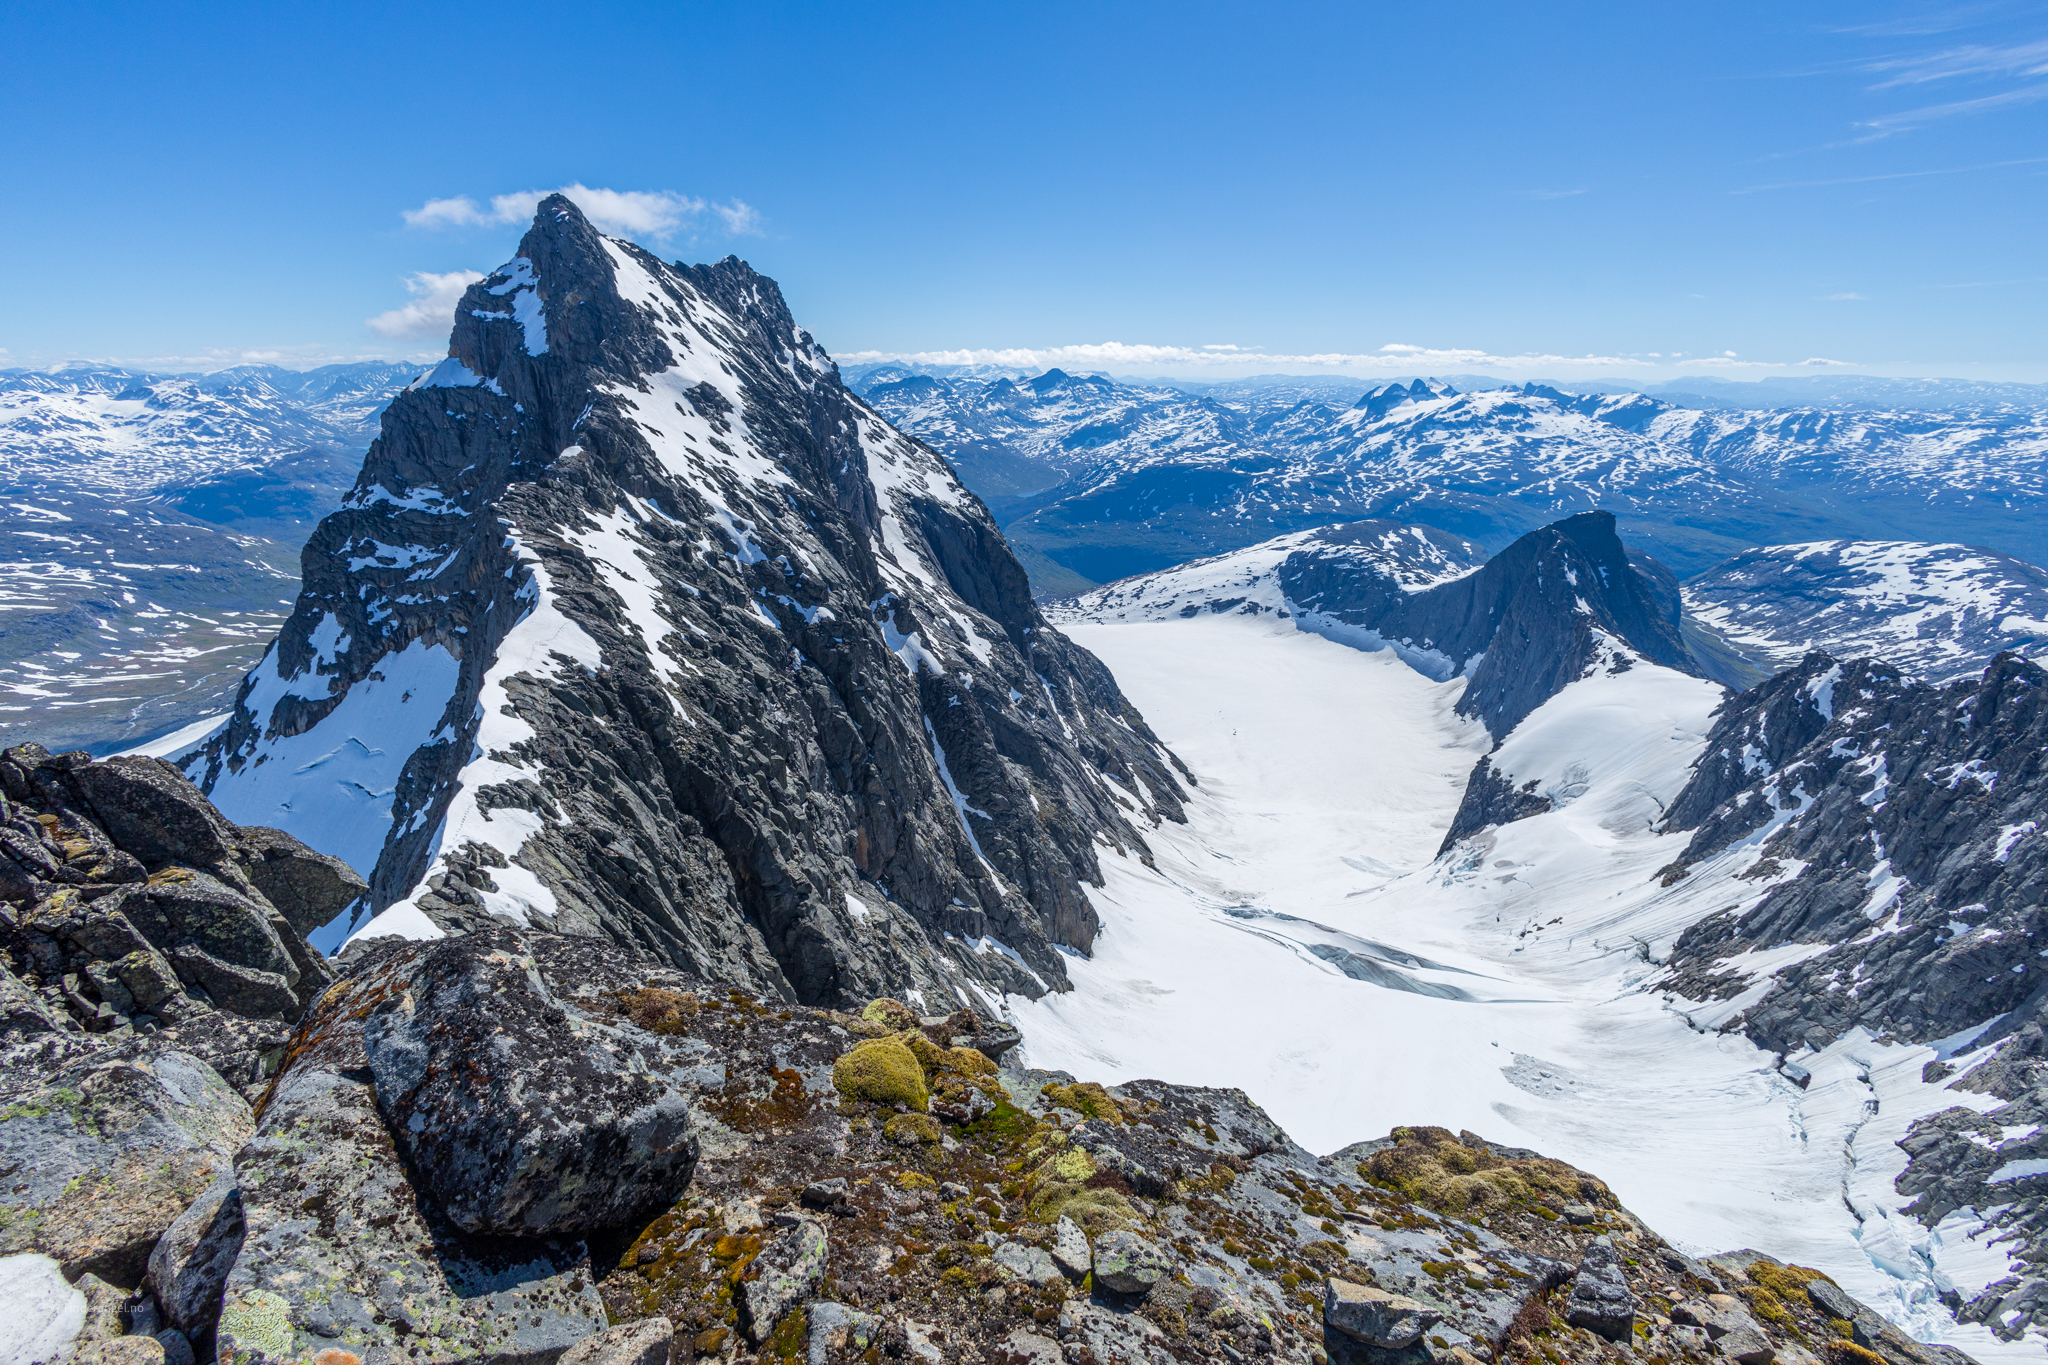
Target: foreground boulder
(98, 1161)
(341, 1250)
(521, 1118)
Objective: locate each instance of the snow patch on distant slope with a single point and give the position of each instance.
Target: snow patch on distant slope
(538, 644)
(1937, 611)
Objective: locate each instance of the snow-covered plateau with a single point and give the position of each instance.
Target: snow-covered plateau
(1300, 938)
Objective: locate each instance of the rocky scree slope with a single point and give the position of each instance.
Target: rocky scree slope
(811, 1185)
(638, 624)
(152, 963)
(1891, 831)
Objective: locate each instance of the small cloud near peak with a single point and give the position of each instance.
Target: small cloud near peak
(652, 214)
(432, 309)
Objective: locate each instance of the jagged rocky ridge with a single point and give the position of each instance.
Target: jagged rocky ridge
(1526, 622)
(848, 1188)
(1892, 828)
(638, 624)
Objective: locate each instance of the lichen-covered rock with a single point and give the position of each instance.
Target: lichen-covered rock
(1600, 1301)
(1033, 1264)
(786, 1273)
(341, 1251)
(1374, 1316)
(130, 1350)
(838, 1332)
(309, 888)
(522, 1119)
(99, 1160)
(153, 811)
(1070, 1247)
(189, 1266)
(1129, 1264)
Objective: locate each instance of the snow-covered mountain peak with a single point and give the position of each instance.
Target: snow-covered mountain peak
(638, 625)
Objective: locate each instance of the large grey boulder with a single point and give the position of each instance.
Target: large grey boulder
(96, 1163)
(1070, 1248)
(155, 812)
(520, 1118)
(340, 1250)
(1128, 1264)
(309, 888)
(190, 1264)
(1600, 1300)
(838, 1332)
(1032, 1264)
(1374, 1316)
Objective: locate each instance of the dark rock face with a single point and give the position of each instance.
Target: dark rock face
(519, 1118)
(657, 633)
(1364, 572)
(1534, 617)
(308, 887)
(1491, 799)
(1912, 808)
(189, 1266)
(1600, 1300)
(1897, 826)
(339, 1248)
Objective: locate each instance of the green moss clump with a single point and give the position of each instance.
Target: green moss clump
(658, 1010)
(882, 1070)
(891, 1014)
(969, 1062)
(1097, 1210)
(907, 1129)
(1086, 1098)
(930, 1056)
(1073, 1165)
(1430, 1167)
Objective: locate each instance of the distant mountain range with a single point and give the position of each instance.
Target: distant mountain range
(1095, 480)
(151, 547)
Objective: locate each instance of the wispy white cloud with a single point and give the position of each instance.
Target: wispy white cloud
(1843, 298)
(1973, 59)
(432, 308)
(1911, 118)
(653, 214)
(1394, 357)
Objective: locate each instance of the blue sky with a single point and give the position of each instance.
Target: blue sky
(1580, 189)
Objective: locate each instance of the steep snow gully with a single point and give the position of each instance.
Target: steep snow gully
(1301, 938)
